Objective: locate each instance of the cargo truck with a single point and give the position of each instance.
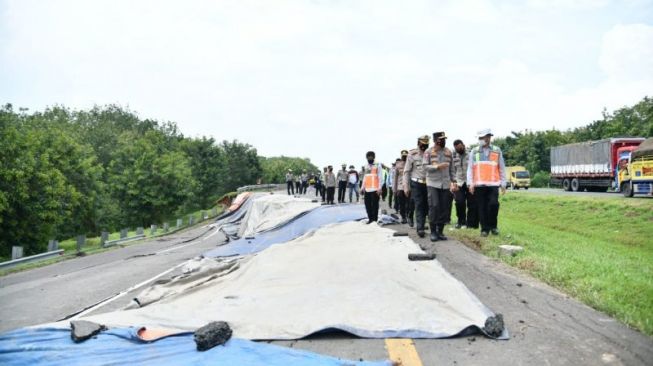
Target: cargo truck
(590, 165)
(518, 177)
(635, 170)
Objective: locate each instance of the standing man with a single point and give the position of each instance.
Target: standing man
(415, 183)
(372, 178)
(389, 183)
(304, 182)
(323, 191)
(352, 182)
(290, 181)
(343, 175)
(466, 210)
(330, 181)
(438, 164)
(486, 174)
(401, 200)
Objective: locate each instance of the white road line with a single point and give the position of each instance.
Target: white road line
(185, 245)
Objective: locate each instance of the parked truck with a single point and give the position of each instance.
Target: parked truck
(635, 170)
(518, 177)
(590, 165)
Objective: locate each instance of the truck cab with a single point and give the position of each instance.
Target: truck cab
(518, 177)
(634, 171)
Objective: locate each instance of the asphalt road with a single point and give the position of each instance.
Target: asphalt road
(546, 326)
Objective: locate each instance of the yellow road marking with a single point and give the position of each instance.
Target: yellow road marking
(402, 351)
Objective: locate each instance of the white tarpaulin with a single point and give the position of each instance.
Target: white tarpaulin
(350, 276)
(268, 211)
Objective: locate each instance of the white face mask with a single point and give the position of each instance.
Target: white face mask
(483, 143)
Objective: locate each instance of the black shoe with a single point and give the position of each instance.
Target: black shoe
(403, 220)
(440, 234)
(420, 233)
(484, 233)
(458, 226)
(495, 231)
(434, 236)
(410, 222)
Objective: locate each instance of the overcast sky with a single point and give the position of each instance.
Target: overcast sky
(329, 80)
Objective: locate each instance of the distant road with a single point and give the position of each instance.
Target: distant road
(561, 192)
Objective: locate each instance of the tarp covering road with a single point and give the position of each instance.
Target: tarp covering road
(350, 276)
(293, 228)
(47, 346)
(268, 211)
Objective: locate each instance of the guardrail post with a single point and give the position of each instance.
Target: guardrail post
(179, 223)
(81, 240)
(53, 245)
(153, 229)
(104, 236)
(204, 216)
(214, 211)
(16, 252)
(139, 230)
(124, 233)
(166, 227)
(191, 220)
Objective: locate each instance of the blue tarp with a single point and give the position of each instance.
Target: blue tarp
(49, 346)
(295, 228)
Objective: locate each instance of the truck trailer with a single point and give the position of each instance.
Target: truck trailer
(590, 165)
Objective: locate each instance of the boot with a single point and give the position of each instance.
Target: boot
(410, 221)
(420, 233)
(434, 236)
(403, 220)
(440, 234)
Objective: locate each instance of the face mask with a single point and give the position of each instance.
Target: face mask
(484, 143)
(460, 150)
(442, 143)
(370, 161)
(423, 147)
(404, 158)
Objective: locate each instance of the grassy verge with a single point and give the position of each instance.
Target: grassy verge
(92, 245)
(599, 251)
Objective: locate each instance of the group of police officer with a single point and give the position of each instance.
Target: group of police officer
(428, 178)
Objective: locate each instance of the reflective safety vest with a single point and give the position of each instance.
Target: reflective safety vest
(486, 170)
(371, 180)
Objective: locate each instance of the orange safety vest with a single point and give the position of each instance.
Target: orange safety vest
(486, 172)
(371, 180)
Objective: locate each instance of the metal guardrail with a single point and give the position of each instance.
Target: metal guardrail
(123, 240)
(32, 258)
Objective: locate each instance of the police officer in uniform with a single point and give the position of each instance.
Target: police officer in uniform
(438, 165)
(401, 200)
(415, 183)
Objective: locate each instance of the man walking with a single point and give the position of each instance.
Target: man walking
(342, 183)
(330, 181)
(290, 181)
(466, 210)
(401, 200)
(389, 182)
(438, 164)
(486, 174)
(352, 182)
(372, 177)
(415, 183)
(304, 182)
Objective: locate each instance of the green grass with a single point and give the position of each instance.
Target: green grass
(598, 251)
(92, 245)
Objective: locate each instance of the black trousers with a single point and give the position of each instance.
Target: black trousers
(487, 199)
(318, 188)
(384, 192)
(342, 187)
(390, 197)
(330, 191)
(401, 203)
(323, 192)
(291, 188)
(466, 209)
(450, 201)
(372, 205)
(439, 201)
(304, 187)
(419, 196)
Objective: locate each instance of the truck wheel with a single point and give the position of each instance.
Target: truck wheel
(575, 185)
(526, 188)
(566, 185)
(627, 189)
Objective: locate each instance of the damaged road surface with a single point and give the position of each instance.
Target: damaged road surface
(546, 326)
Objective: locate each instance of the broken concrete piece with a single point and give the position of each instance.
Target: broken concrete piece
(421, 256)
(494, 326)
(82, 330)
(400, 234)
(211, 335)
(509, 250)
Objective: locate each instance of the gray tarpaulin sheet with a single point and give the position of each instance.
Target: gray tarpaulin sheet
(349, 276)
(268, 211)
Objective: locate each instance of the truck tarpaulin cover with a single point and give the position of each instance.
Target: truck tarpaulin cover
(48, 346)
(350, 276)
(583, 157)
(644, 149)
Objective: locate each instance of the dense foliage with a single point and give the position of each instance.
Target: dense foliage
(275, 168)
(65, 172)
(532, 148)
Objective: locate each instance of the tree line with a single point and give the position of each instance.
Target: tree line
(67, 172)
(532, 148)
